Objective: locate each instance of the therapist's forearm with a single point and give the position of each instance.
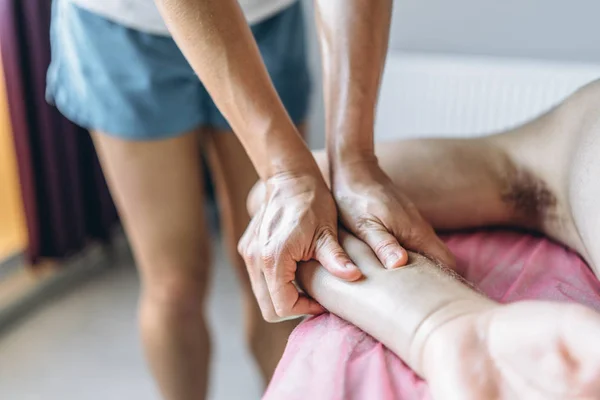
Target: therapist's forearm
(401, 307)
(218, 44)
(353, 35)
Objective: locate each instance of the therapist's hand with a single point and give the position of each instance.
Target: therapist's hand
(297, 222)
(374, 209)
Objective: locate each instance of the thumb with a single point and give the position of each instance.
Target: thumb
(334, 259)
(386, 247)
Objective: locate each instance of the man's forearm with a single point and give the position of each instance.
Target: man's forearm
(218, 44)
(401, 307)
(353, 36)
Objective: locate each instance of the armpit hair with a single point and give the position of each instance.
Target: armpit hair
(529, 198)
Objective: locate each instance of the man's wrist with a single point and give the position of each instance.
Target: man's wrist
(433, 332)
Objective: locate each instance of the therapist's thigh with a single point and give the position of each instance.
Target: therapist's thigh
(158, 188)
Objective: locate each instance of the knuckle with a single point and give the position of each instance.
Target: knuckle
(282, 309)
(338, 253)
(365, 225)
(251, 258)
(323, 236)
(268, 257)
(326, 232)
(329, 249)
(246, 252)
(241, 247)
(386, 246)
(242, 244)
(248, 259)
(245, 245)
(269, 315)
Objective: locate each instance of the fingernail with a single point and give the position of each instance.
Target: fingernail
(392, 260)
(354, 273)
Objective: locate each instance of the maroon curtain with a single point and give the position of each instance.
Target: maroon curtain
(65, 197)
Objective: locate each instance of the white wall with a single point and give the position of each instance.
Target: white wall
(549, 29)
(465, 96)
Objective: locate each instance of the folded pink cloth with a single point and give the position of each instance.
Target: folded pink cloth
(328, 358)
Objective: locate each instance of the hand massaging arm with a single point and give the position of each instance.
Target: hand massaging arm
(398, 306)
(463, 344)
(423, 294)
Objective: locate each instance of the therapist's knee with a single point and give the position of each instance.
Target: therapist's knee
(176, 287)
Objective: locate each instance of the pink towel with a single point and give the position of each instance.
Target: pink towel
(328, 358)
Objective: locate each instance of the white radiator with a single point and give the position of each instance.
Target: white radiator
(434, 95)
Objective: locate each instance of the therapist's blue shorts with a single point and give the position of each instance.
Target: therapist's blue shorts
(137, 86)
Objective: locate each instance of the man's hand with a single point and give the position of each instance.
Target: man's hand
(296, 222)
(526, 350)
(373, 209)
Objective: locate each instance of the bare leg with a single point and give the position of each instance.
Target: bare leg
(158, 190)
(234, 176)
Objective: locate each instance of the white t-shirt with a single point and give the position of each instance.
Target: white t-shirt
(143, 15)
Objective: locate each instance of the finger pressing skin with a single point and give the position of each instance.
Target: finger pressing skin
(384, 245)
(334, 258)
(286, 299)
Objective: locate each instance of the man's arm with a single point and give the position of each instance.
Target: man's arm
(463, 344)
(218, 44)
(402, 307)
